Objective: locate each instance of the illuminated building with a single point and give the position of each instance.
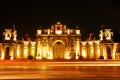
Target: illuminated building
(59, 43)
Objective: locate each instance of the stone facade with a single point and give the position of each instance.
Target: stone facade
(59, 43)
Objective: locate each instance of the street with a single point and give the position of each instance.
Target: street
(31, 70)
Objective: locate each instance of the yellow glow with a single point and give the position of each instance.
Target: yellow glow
(114, 53)
(67, 56)
(58, 41)
(26, 43)
(48, 31)
(90, 43)
(77, 31)
(97, 42)
(7, 34)
(84, 53)
(108, 34)
(50, 57)
(38, 57)
(77, 50)
(32, 52)
(18, 52)
(25, 52)
(39, 54)
(14, 39)
(91, 52)
(98, 52)
(11, 58)
(84, 43)
(33, 43)
(7, 38)
(45, 52)
(50, 54)
(77, 57)
(2, 56)
(39, 31)
(58, 32)
(68, 31)
(104, 52)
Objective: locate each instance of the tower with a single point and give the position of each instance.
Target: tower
(9, 43)
(105, 33)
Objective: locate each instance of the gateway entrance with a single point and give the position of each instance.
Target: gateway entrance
(58, 50)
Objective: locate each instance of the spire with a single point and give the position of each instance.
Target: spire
(14, 33)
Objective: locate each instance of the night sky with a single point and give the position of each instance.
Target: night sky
(89, 15)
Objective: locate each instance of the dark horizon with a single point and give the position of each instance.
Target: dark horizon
(89, 15)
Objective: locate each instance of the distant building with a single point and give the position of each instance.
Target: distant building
(59, 42)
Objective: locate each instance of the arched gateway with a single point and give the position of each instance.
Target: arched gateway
(55, 42)
(58, 49)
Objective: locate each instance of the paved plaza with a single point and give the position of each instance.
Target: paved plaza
(59, 70)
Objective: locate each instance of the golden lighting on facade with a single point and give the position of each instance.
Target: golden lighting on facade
(115, 51)
(90, 43)
(77, 31)
(2, 56)
(77, 49)
(84, 43)
(58, 32)
(18, 53)
(50, 56)
(67, 57)
(25, 52)
(39, 31)
(58, 42)
(84, 53)
(48, 31)
(68, 31)
(32, 52)
(98, 52)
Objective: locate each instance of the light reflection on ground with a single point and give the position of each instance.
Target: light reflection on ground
(41, 70)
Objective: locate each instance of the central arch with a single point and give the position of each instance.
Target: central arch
(58, 49)
(7, 54)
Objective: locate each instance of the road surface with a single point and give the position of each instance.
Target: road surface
(35, 70)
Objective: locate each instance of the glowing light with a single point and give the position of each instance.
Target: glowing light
(14, 39)
(68, 31)
(45, 52)
(84, 43)
(18, 52)
(97, 42)
(32, 52)
(48, 31)
(58, 41)
(77, 57)
(77, 49)
(7, 34)
(2, 56)
(98, 52)
(58, 32)
(38, 57)
(108, 34)
(50, 57)
(25, 52)
(32, 43)
(7, 38)
(77, 31)
(67, 56)
(90, 43)
(11, 58)
(26, 43)
(115, 52)
(84, 53)
(39, 31)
